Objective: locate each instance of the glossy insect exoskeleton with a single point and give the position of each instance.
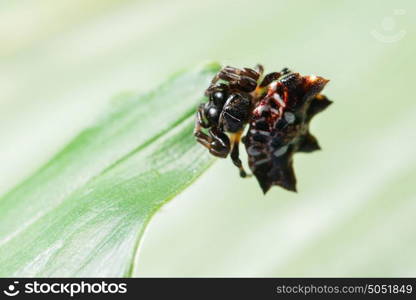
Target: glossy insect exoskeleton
(278, 107)
(229, 108)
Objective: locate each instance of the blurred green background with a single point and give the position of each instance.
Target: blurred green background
(355, 212)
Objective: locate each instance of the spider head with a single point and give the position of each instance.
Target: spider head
(217, 96)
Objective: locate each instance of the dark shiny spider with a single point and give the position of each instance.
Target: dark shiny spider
(278, 107)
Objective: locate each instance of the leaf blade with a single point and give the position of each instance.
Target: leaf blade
(115, 191)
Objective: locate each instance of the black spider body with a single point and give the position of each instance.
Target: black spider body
(278, 109)
(279, 127)
(236, 113)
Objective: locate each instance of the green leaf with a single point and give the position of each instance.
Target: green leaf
(84, 212)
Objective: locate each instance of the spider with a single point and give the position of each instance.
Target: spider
(277, 107)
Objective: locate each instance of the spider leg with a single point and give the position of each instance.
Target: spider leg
(215, 79)
(241, 72)
(216, 142)
(285, 71)
(217, 87)
(220, 145)
(259, 69)
(269, 78)
(235, 154)
(242, 82)
(201, 137)
(200, 120)
(216, 145)
(243, 79)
